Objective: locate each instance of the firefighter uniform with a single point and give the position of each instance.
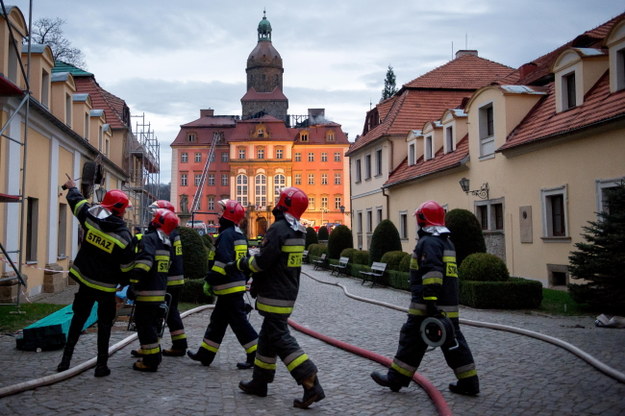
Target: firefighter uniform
(148, 288)
(175, 283)
(434, 287)
(276, 282)
(97, 269)
(229, 287)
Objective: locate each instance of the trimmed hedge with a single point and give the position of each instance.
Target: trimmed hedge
(356, 256)
(393, 259)
(194, 253)
(311, 237)
(193, 292)
(398, 279)
(516, 293)
(483, 267)
(340, 239)
(316, 250)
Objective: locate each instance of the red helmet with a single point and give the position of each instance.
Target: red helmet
(116, 201)
(161, 203)
(430, 213)
(165, 220)
(293, 200)
(233, 210)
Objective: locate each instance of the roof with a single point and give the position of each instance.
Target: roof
(114, 107)
(253, 95)
(60, 66)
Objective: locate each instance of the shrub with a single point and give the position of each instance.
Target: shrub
(483, 267)
(193, 292)
(323, 233)
(340, 239)
(209, 241)
(398, 280)
(393, 259)
(194, 254)
(311, 237)
(466, 233)
(385, 238)
(515, 293)
(356, 256)
(316, 250)
(404, 265)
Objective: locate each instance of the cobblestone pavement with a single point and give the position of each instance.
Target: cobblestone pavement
(519, 375)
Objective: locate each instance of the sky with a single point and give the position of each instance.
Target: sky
(169, 59)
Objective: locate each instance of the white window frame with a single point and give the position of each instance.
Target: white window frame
(491, 214)
(449, 139)
(546, 196)
(428, 147)
(403, 225)
(601, 185)
(487, 130)
(412, 153)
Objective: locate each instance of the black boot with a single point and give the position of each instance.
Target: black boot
(467, 386)
(383, 380)
(312, 393)
(136, 353)
(65, 361)
(203, 356)
(174, 352)
(249, 362)
(101, 368)
(255, 387)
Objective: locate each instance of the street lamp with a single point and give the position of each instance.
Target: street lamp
(482, 193)
(99, 193)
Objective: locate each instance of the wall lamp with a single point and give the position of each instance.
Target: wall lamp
(99, 193)
(482, 193)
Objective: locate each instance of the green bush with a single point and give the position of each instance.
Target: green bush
(393, 259)
(385, 238)
(466, 233)
(311, 237)
(515, 293)
(398, 279)
(483, 267)
(316, 250)
(356, 256)
(340, 239)
(404, 265)
(323, 233)
(194, 254)
(193, 292)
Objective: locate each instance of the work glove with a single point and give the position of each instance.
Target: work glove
(207, 288)
(430, 308)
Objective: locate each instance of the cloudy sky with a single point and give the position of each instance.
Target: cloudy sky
(169, 59)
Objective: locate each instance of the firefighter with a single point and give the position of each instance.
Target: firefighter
(275, 283)
(434, 286)
(97, 268)
(229, 287)
(149, 285)
(175, 281)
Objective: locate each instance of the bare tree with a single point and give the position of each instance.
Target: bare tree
(49, 32)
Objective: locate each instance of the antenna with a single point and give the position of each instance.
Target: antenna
(466, 41)
(452, 49)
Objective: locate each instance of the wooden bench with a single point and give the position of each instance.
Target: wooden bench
(341, 267)
(320, 262)
(305, 256)
(377, 271)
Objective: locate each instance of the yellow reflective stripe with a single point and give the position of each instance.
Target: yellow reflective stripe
(251, 349)
(178, 247)
(219, 270)
(299, 360)
(150, 351)
(93, 284)
(161, 257)
(175, 282)
(253, 266)
(284, 310)
(466, 374)
(208, 347)
(449, 259)
(178, 337)
(433, 281)
(418, 312)
(401, 370)
(157, 298)
(230, 290)
(430, 298)
(78, 205)
(414, 264)
(142, 266)
(266, 366)
(292, 249)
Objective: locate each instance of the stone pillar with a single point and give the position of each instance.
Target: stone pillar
(54, 279)
(9, 287)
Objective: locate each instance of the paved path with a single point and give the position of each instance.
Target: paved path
(519, 375)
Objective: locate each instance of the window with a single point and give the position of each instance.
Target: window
(279, 182)
(197, 180)
(367, 167)
(411, 154)
(224, 157)
(487, 130)
(324, 156)
(260, 153)
(378, 214)
(490, 215)
(311, 179)
(213, 157)
(337, 156)
(378, 162)
(211, 179)
(311, 157)
(603, 187)
(184, 157)
(358, 171)
(298, 179)
(330, 136)
(45, 87)
(68, 109)
(32, 219)
(211, 203)
(337, 178)
(324, 202)
(620, 69)
(279, 153)
(369, 221)
(568, 89)
(241, 152)
(183, 179)
(449, 139)
(427, 151)
(260, 132)
(241, 189)
(403, 225)
(62, 232)
(324, 178)
(554, 212)
(359, 222)
(311, 202)
(86, 123)
(198, 157)
(261, 190)
(303, 137)
(224, 179)
(191, 138)
(298, 157)
(337, 202)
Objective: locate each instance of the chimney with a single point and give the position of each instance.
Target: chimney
(209, 112)
(465, 52)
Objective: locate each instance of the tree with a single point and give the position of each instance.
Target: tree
(385, 238)
(49, 32)
(599, 262)
(323, 233)
(311, 236)
(466, 233)
(340, 239)
(389, 84)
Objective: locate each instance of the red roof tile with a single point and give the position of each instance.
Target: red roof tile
(253, 95)
(114, 107)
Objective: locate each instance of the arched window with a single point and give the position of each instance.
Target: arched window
(279, 182)
(261, 190)
(242, 189)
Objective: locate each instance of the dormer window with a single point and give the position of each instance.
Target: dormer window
(449, 139)
(487, 130)
(411, 154)
(303, 137)
(191, 138)
(330, 136)
(568, 91)
(260, 132)
(620, 69)
(427, 150)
